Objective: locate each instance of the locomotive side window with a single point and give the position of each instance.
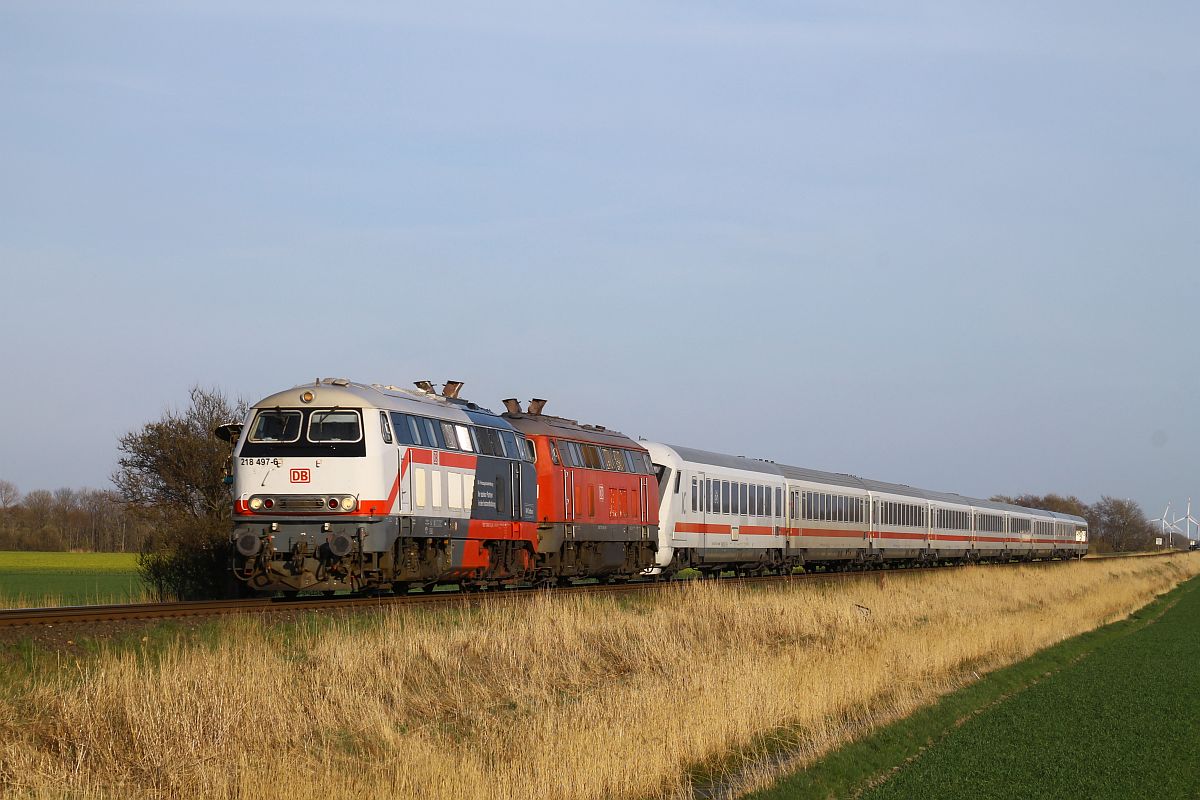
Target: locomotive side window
(508, 440)
(276, 426)
(464, 438)
(406, 429)
(384, 427)
(334, 426)
(449, 436)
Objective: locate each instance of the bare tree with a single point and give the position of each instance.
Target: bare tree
(1122, 525)
(9, 495)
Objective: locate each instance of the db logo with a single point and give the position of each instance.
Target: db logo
(300, 476)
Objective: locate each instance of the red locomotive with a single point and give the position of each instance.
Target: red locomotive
(597, 499)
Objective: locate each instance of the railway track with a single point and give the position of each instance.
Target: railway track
(205, 608)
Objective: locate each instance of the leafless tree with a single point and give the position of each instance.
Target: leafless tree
(9, 495)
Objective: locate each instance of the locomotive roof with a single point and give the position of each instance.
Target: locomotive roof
(341, 392)
(548, 425)
(855, 482)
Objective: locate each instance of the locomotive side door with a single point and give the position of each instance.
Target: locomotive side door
(514, 468)
(403, 477)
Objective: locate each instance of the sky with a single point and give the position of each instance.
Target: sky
(952, 245)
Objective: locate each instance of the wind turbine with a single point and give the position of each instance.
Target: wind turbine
(1166, 524)
(1190, 521)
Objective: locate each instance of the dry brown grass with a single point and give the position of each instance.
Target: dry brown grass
(562, 696)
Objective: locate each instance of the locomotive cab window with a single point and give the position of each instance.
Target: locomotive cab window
(334, 426)
(276, 426)
(385, 427)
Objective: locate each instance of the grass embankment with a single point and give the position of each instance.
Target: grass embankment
(1120, 723)
(1107, 714)
(62, 579)
(561, 696)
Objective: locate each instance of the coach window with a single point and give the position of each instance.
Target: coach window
(745, 499)
(695, 495)
(725, 505)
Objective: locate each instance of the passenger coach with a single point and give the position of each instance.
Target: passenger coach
(728, 512)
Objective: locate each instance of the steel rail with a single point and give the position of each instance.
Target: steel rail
(10, 617)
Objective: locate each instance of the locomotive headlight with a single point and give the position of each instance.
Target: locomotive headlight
(255, 503)
(347, 504)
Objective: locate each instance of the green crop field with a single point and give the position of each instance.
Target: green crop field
(1110, 714)
(37, 579)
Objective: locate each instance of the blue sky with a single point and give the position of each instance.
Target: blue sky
(952, 245)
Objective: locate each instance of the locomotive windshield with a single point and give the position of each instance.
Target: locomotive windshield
(296, 432)
(334, 426)
(276, 426)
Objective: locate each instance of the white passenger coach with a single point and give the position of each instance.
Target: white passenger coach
(720, 512)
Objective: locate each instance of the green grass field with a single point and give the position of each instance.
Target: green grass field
(36, 579)
(1110, 714)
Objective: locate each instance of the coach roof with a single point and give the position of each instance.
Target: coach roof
(855, 482)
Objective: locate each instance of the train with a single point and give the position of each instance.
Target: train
(344, 486)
